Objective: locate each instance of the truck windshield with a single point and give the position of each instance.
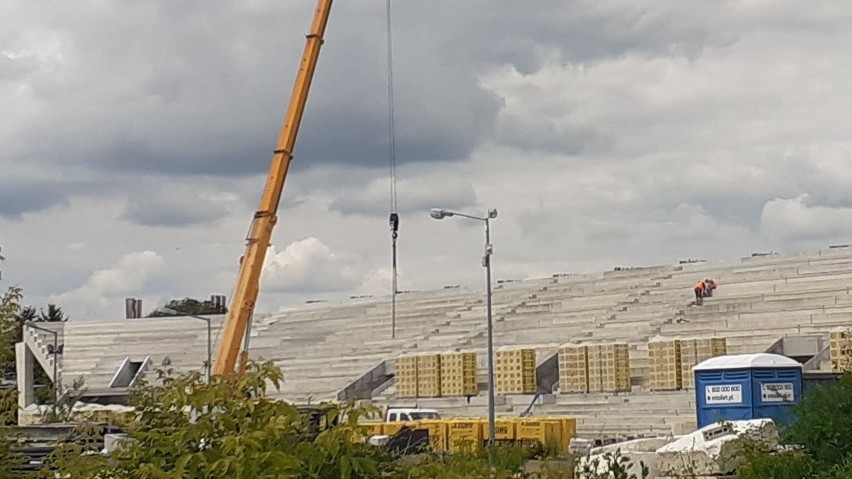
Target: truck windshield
(416, 416)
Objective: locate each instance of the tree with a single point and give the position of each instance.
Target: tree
(820, 445)
(823, 421)
(54, 315)
(10, 329)
(27, 314)
(185, 428)
(188, 306)
(10, 306)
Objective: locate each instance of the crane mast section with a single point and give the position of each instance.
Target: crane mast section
(260, 232)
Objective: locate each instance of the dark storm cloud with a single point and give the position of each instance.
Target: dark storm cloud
(189, 201)
(204, 89)
(605, 132)
(202, 86)
(579, 31)
(417, 193)
(159, 211)
(186, 88)
(19, 197)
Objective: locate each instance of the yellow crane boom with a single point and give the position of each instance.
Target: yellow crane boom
(260, 231)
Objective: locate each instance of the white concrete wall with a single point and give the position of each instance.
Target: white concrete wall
(323, 347)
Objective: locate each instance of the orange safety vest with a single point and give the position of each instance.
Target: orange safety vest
(699, 285)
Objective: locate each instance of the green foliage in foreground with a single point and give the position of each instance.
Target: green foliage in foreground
(820, 438)
(824, 423)
(187, 429)
(503, 462)
(10, 306)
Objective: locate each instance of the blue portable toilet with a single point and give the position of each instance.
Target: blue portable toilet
(747, 386)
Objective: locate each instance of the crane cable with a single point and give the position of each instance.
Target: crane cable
(394, 217)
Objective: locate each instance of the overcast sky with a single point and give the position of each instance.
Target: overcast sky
(136, 138)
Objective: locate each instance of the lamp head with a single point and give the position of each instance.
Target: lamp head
(492, 213)
(439, 214)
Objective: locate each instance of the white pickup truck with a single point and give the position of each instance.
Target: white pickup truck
(397, 414)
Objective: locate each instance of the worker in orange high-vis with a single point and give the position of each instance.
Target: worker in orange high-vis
(709, 286)
(699, 292)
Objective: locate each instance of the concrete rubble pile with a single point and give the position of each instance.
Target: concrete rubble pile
(709, 451)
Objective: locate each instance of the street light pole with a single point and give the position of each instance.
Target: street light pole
(486, 260)
(209, 335)
(439, 214)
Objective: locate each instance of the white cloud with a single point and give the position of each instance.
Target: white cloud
(799, 219)
(104, 291)
(379, 281)
(308, 265)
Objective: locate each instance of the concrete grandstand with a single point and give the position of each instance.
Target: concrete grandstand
(780, 303)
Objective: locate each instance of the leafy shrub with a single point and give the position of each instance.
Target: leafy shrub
(188, 429)
(611, 465)
(789, 464)
(823, 421)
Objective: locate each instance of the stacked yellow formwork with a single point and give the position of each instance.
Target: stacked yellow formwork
(428, 375)
(840, 349)
(573, 369)
(516, 371)
(688, 359)
(615, 367)
(666, 371)
(406, 377)
(695, 351)
(594, 359)
(458, 374)
(608, 367)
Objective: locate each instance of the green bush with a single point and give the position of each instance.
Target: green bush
(188, 429)
(823, 421)
(839, 471)
(10, 459)
(793, 464)
(820, 434)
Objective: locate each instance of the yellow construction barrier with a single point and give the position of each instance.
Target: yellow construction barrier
(569, 431)
(438, 433)
(373, 428)
(470, 434)
(391, 428)
(539, 431)
(465, 435)
(505, 429)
